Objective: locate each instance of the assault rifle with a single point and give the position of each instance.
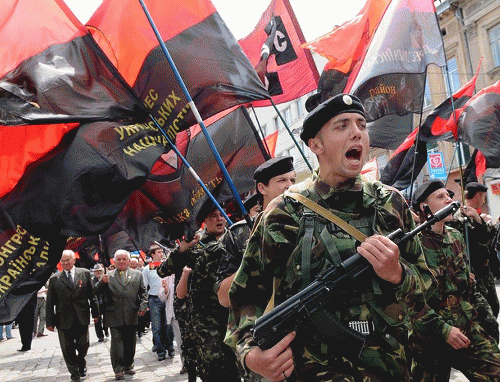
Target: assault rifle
(269, 329)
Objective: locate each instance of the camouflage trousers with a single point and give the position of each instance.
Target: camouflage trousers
(216, 360)
(374, 365)
(479, 362)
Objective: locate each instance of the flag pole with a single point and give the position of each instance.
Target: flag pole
(291, 134)
(261, 131)
(460, 161)
(192, 171)
(198, 116)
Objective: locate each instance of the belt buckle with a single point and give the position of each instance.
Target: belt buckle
(363, 327)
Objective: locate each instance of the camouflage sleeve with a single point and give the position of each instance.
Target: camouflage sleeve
(231, 258)
(270, 245)
(418, 283)
(174, 264)
(427, 323)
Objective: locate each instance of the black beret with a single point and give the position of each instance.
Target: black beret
(341, 103)
(205, 210)
(273, 167)
(474, 186)
(251, 201)
(424, 190)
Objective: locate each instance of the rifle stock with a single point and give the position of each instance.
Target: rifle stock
(270, 328)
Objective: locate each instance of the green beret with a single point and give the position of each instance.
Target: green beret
(273, 167)
(316, 119)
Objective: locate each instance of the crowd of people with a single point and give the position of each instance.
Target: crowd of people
(421, 308)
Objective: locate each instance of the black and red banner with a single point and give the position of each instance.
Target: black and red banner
(172, 196)
(53, 77)
(478, 124)
(215, 70)
(344, 46)
(274, 49)
(398, 171)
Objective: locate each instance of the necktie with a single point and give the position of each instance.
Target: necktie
(69, 277)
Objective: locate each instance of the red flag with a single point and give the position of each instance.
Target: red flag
(52, 74)
(271, 141)
(437, 122)
(216, 72)
(398, 171)
(391, 76)
(274, 48)
(478, 124)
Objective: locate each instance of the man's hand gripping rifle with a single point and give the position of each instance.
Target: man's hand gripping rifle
(269, 329)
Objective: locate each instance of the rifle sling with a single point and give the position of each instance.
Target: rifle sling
(313, 206)
(354, 232)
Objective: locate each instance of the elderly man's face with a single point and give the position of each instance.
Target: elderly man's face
(67, 262)
(342, 144)
(122, 261)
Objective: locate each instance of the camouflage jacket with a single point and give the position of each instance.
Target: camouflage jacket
(482, 253)
(274, 251)
(446, 259)
(203, 258)
(235, 241)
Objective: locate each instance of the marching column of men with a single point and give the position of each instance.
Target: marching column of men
(425, 306)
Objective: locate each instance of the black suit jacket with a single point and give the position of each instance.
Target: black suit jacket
(68, 304)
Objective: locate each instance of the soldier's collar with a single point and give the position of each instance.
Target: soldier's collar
(326, 191)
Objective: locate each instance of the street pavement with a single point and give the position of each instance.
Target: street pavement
(44, 362)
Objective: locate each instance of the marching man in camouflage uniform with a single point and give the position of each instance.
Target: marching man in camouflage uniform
(284, 253)
(454, 339)
(207, 318)
(272, 178)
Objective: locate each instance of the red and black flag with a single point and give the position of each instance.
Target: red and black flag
(435, 127)
(478, 124)
(344, 46)
(398, 171)
(215, 70)
(390, 78)
(437, 124)
(57, 91)
(172, 196)
(274, 49)
(54, 76)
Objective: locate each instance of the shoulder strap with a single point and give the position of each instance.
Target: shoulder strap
(354, 232)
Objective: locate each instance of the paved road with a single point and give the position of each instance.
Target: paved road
(44, 361)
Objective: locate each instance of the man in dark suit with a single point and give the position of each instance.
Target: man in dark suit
(70, 299)
(127, 299)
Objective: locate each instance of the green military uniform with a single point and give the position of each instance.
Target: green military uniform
(207, 321)
(182, 310)
(275, 251)
(450, 297)
(483, 260)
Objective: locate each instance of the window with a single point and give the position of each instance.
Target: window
(287, 115)
(453, 76)
(427, 94)
(494, 36)
(300, 112)
(276, 123)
